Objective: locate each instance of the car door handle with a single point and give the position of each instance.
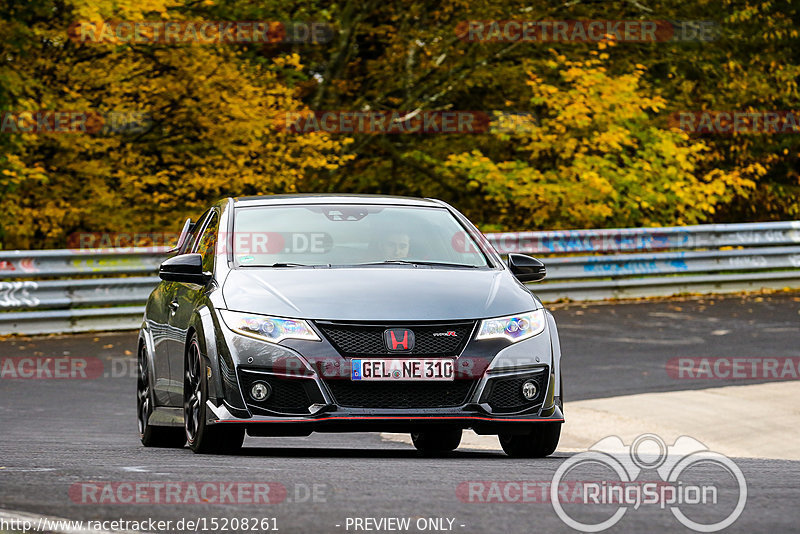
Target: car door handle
(174, 306)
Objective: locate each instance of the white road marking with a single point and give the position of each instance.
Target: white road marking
(27, 469)
(668, 315)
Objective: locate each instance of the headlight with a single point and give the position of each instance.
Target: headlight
(513, 327)
(274, 329)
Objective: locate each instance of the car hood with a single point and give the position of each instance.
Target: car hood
(377, 294)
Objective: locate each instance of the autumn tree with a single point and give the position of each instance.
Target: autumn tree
(581, 136)
(207, 128)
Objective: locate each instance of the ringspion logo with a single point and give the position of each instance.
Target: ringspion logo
(693, 479)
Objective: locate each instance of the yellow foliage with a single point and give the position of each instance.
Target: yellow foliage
(595, 158)
(210, 129)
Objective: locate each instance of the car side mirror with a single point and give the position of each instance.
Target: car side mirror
(187, 268)
(526, 268)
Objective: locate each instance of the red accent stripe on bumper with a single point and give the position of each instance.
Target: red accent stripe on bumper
(385, 418)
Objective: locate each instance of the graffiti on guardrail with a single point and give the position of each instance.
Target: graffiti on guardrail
(645, 239)
(14, 294)
(748, 261)
(764, 237)
(25, 265)
(583, 241)
(634, 267)
(106, 264)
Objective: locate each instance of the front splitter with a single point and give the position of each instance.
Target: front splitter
(393, 417)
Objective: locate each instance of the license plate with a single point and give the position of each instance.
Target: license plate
(402, 369)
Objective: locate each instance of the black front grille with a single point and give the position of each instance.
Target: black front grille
(364, 340)
(505, 394)
(289, 395)
(400, 394)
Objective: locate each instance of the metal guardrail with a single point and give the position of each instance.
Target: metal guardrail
(40, 291)
(673, 263)
(76, 262)
(54, 294)
(648, 239)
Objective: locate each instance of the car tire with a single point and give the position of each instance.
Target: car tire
(202, 437)
(437, 441)
(541, 442)
(152, 436)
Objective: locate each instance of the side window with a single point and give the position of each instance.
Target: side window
(187, 240)
(194, 236)
(191, 239)
(207, 243)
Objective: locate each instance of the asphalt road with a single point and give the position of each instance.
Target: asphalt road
(59, 436)
(623, 349)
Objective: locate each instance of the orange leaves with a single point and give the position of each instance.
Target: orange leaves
(209, 133)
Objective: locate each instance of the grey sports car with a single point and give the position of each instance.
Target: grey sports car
(291, 314)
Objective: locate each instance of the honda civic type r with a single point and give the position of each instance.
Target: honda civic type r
(292, 314)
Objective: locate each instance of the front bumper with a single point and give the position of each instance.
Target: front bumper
(343, 420)
(488, 376)
(480, 412)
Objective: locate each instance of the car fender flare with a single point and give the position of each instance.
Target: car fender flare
(203, 325)
(146, 339)
(555, 349)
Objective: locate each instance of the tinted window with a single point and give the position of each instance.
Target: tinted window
(207, 244)
(191, 240)
(350, 235)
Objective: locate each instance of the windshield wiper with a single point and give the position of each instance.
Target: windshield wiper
(427, 263)
(289, 265)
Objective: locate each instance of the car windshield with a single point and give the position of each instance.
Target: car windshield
(336, 235)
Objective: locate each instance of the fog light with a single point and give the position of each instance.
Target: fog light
(530, 390)
(260, 391)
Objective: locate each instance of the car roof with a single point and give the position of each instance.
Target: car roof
(271, 200)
